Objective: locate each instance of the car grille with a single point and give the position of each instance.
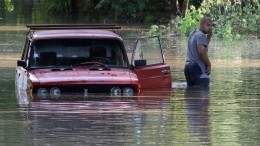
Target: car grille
(80, 91)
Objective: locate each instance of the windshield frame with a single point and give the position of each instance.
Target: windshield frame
(116, 48)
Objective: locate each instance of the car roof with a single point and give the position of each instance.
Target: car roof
(73, 33)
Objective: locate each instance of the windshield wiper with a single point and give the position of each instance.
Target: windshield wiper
(61, 69)
(99, 68)
(94, 65)
(89, 63)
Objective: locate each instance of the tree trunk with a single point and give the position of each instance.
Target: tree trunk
(185, 7)
(175, 8)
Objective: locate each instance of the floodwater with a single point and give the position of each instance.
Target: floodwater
(226, 113)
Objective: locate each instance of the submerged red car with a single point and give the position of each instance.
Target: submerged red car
(59, 60)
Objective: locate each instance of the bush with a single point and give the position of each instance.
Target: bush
(233, 19)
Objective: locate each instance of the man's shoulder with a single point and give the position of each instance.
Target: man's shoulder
(200, 35)
(197, 34)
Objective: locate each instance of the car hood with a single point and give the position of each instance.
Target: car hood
(83, 76)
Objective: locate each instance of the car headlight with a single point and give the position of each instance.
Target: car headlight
(116, 91)
(128, 91)
(55, 93)
(42, 93)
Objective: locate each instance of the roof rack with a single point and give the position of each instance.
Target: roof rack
(71, 26)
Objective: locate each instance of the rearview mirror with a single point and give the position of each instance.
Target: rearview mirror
(141, 62)
(21, 63)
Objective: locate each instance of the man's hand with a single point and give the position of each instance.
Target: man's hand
(208, 70)
(209, 35)
(204, 57)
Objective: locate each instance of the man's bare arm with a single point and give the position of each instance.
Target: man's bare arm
(203, 54)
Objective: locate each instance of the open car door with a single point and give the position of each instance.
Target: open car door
(149, 63)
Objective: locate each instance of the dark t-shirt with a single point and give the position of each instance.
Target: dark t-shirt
(197, 37)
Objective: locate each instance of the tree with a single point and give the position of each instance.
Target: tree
(8, 5)
(178, 7)
(175, 8)
(185, 7)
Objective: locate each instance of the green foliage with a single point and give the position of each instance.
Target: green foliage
(165, 30)
(233, 19)
(190, 21)
(8, 5)
(158, 30)
(181, 25)
(154, 30)
(124, 7)
(56, 6)
(149, 18)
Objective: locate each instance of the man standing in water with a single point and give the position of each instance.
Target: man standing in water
(197, 67)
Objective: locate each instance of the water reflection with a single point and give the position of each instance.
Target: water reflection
(197, 101)
(79, 123)
(96, 122)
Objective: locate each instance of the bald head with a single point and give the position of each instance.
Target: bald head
(205, 25)
(204, 20)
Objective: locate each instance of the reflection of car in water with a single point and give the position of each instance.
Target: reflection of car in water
(113, 121)
(62, 60)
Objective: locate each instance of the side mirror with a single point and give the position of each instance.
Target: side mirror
(21, 63)
(141, 62)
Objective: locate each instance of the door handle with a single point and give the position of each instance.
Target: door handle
(166, 71)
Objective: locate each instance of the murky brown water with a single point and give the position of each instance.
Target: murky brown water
(227, 113)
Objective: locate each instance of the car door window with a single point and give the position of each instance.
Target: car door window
(149, 65)
(148, 49)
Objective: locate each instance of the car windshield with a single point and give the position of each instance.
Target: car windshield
(67, 52)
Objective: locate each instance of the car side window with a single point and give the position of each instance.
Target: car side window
(148, 49)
